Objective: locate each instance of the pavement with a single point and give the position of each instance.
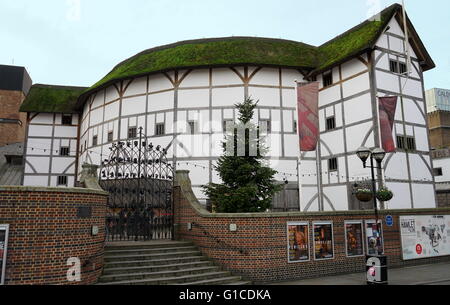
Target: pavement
(435, 274)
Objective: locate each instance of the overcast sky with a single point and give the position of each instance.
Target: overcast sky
(77, 42)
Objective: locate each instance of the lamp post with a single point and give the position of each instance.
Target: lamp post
(378, 154)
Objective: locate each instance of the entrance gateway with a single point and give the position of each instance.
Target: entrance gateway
(139, 180)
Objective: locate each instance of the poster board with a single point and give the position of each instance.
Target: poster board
(354, 238)
(424, 236)
(298, 242)
(4, 232)
(371, 234)
(323, 241)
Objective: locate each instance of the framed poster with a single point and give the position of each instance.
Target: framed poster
(372, 243)
(424, 236)
(323, 240)
(354, 240)
(4, 231)
(298, 242)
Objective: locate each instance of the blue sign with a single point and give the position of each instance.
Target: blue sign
(389, 221)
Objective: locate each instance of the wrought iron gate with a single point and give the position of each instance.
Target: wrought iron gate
(139, 180)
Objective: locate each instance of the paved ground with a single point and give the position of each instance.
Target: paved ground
(436, 274)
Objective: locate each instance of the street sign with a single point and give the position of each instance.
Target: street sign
(389, 221)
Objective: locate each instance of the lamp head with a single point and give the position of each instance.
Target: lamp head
(378, 154)
(363, 153)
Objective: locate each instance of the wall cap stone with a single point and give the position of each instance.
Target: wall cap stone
(40, 189)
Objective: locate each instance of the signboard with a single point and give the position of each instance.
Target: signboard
(298, 242)
(389, 221)
(323, 240)
(425, 236)
(372, 243)
(354, 241)
(4, 231)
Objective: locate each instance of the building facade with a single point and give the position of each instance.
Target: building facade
(182, 95)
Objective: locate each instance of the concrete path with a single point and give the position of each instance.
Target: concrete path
(435, 274)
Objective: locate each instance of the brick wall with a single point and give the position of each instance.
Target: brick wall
(10, 102)
(443, 198)
(258, 249)
(45, 231)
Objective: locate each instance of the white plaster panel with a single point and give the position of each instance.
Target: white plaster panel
(99, 99)
(227, 96)
(216, 144)
(383, 42)
(225, 76)
(181, 124)
(124, 129)
(266, 76)
(356, 135)
(289, 76)
(402, 197)
(42, 118)
(351, 68)
(161, 101)
(337, 196)
(356, 85)
(96, 116)
(37, 146)
(159, 118)
(419, 169)
(358, 109)
(395, 28)
(307, 194)
(356, 171)
(138, 86)
(396, 44)
(338, 115)
(289, 98)
(413, 88)
(264, 114)
(414, 113)
(267, 96)
(35, 180)
(276, 120)
(329, 95)
(397, 168)
(40, 131)
(421, 135)
(111, 93)
(193, 146)
(151, 124)
(322, 120)
(169, 123)
(196, 78)
(159, 82)
(291, 146)
(133, 105)
(204, 121)
(288, 123)
(193, 98)
(40, 164)
(424, 196)
(66, 132)
(308, 171)
(335, 142)
(387, 81)
(59, 165)
(273, 142)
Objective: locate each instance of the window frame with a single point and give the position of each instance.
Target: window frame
(64, 182)
(64, 151)
(66, 122)
(132, 131)
(327, 79)
(158, 132)
(333, 118)
(330, 163)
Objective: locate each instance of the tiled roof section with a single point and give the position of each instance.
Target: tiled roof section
(51, 99)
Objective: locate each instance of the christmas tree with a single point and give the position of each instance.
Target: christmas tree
(248, 184)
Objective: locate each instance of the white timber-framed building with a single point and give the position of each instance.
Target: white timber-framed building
(183, 94)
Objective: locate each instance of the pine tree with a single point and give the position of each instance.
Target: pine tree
(248, 184)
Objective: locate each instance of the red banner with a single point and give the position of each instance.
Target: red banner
(308, 118)
(387, 106)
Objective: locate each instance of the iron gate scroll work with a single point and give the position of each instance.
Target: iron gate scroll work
(139, 180)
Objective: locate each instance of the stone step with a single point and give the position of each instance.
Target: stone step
(151, 268)
(156, 262)
(128, 245)
(137, 251)
(178, 280)
(118, 258)
(160, 274)
(229, 280)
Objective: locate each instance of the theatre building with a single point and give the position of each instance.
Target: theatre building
(183, 94)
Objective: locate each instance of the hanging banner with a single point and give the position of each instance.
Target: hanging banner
(373, 243)
(323, 241)
(298, 242)
(4, 230)
(354, 241)
(425, 236)
(308, 115)
(387, 108)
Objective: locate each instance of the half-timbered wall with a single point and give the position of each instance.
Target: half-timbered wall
(46, 135)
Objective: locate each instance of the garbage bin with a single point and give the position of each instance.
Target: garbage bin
(376, 270)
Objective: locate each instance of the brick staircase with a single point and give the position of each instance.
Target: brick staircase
(161, 263)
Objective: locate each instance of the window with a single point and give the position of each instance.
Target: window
(410, 143)
(332, 165)
(402, 68)
(132, 132)
(401, 142)
(110, 136)
(393, 66)
(94, 140)
(160, 129)
(66, 119)
(331, 123)
(62, 180)
(225, 123)
(265, 126)
(438, 172)
(327, 79)
(192, 127)
(64, 151)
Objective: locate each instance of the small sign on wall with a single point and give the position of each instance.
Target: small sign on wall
(4, 232)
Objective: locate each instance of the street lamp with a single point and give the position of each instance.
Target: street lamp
(378, 154)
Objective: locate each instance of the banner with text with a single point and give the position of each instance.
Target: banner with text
(308, 115)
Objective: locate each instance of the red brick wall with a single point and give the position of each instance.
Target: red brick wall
(45, 231)
(10, 102)
(263, 240)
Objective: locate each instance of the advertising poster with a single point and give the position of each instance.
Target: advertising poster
(354, 240)
(3, 248)
(372, 233)
(298, 242)
(323, 241)
(424, 236)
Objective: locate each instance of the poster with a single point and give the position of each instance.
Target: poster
(298, 242)
(323, 240)
(424, 236)
(3, 247)
(372, 243)
(354, 240)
